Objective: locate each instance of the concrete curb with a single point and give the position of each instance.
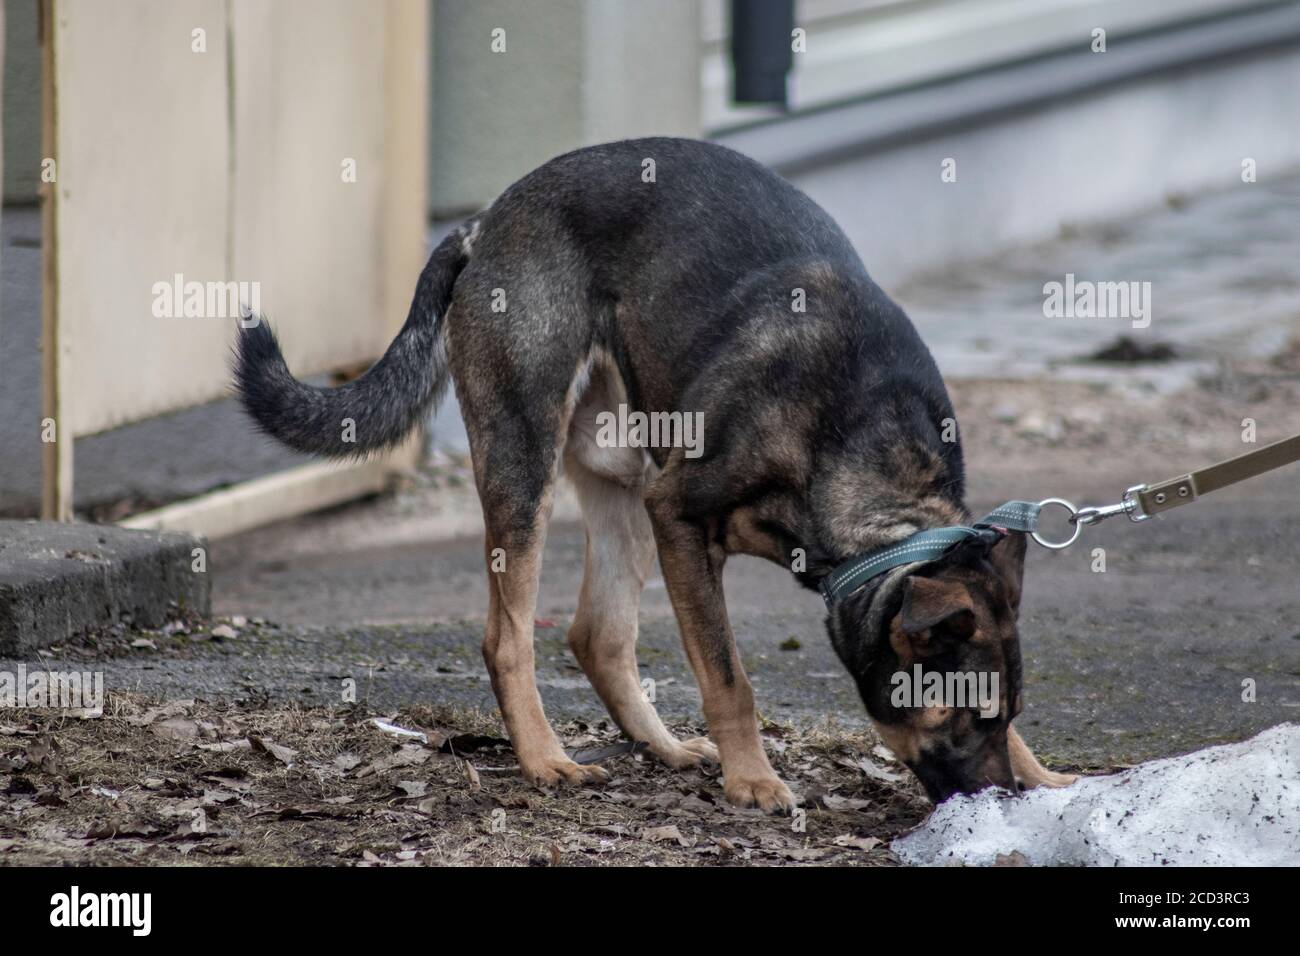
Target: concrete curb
(61, 580)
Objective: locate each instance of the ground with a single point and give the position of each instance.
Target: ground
(251, 783)
(1180, 632)
(1142, 660)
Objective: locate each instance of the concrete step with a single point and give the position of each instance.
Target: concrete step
(61, 580)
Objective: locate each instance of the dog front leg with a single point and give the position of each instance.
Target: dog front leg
(693, 575)
(1029, 772)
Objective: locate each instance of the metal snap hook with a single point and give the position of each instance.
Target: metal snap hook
(1078, 525)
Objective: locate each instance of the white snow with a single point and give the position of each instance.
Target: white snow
(1234, 805)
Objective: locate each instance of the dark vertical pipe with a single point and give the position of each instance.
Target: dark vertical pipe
(761, 54)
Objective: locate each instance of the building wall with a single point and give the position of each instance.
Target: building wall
(1107, 158)
(22, 102)
(572, 73)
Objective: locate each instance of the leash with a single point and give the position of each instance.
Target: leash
(1139, 503)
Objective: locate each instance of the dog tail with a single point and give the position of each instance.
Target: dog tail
(374, 411)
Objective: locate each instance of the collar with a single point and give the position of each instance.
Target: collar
(926, 546)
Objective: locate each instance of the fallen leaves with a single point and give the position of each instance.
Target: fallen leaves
(158, 782)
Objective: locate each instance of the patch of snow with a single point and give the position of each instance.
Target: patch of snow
(1233, 805)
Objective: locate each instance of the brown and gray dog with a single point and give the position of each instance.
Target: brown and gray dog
(673, 276)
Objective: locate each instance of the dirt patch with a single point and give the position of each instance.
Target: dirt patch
(191, 782)
(1062, 425)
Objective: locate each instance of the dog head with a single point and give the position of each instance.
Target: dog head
(921, 642)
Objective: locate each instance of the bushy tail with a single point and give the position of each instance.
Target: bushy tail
(374, 411)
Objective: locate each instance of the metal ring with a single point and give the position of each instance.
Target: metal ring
(1078, 526)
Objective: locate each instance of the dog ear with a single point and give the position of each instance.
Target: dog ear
(859, 624)
(1008, 559)
(931, 605)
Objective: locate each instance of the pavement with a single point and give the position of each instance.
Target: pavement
(60, 580)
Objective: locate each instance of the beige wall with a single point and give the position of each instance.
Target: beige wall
(574, 72)
(230, 169)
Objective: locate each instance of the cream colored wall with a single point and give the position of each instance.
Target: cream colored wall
(143, 193)
(227, 165)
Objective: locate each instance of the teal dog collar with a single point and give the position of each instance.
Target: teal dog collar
(926, 546)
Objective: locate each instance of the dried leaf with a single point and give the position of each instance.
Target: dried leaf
(267, 746)
(1014, 858)
(831, 802)
(666, 834)
(176, 728)
(346, 762)
(408, 756)
(111, 829)
(601, 754)
(227, 746)
(856, 842)
(173, 708)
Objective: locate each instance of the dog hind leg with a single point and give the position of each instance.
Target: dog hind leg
(620, 554)
(516, 445)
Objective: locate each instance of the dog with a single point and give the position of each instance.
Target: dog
(669, 275)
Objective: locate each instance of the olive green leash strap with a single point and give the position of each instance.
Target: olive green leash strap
(1179, 491)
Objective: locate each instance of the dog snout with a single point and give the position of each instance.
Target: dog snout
(943, 775)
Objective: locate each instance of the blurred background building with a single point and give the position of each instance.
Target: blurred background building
(935, 131)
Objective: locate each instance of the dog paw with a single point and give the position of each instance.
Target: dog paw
(559, 771)
(766, 792)
(689, 753)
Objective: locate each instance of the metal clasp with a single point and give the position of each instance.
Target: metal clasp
(1128, 505)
